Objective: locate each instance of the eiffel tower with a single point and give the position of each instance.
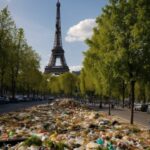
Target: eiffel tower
(57, 51)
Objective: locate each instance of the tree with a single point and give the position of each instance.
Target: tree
(68, 83)
(134, 46)
(119, 47)
(44, 84)
(54, 85)
(19, 63)
(6, 25)
(31, 77)
(86, 88)
(15, 59)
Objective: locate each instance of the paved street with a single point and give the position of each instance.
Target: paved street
(140, 118)
(5, 108)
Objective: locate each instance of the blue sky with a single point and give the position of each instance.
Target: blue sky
(37, 17)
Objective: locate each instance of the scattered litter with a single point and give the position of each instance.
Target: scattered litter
(66, 125)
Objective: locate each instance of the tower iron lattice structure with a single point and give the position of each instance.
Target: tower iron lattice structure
(57, 51)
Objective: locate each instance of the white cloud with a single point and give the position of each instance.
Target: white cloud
(81, 31)
(75, 68)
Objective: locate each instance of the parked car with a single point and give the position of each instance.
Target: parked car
(7, 100)
(50, 99)
(19, 98)
(2, 100)
(26, 99)
(137, 106)
(148, 109)
(144, 107)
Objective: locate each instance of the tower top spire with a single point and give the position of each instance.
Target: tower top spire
(58, 39)
(58, 3)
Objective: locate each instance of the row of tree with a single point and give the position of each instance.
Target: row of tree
(66, 84)
(117, 62)
(20, 66)
(19, 63)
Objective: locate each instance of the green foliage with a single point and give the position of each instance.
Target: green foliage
(86, 83)
(135, 130)
(34, 140)
(54, 85)
(53, 145)
(61, 146)
(19, 63)
(64, 84)
(68, 83)
(49, 144)
(119, 50)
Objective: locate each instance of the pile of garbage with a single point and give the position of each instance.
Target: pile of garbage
(66, 125)
(66, 103)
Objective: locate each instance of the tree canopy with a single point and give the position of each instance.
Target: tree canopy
(119, 50)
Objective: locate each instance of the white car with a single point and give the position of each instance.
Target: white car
(137, 106)
(19, 98)
(148, 109)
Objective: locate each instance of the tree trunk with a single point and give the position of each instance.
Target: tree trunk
(132, 84)
(13, 90)
(123, 93)
(33, 94)
(2, 83)
(13, 82)
(28, 91)
(100, 104)
(144, 96)
(1, 87)
(109, 110)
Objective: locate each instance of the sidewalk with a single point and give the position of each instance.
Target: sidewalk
(140, 118)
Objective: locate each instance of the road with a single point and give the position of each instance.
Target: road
(5, 108)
